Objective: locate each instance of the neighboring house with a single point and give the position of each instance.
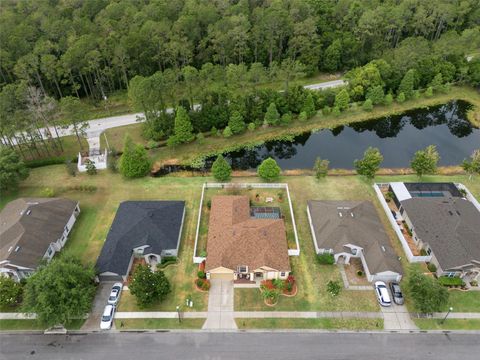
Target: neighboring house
(352, 229)
(148, 229)
(443, 223)
(243, 244)
(31, 230)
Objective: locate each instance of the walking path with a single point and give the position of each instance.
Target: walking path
(97, 126)
(347, 285)
(220, 306)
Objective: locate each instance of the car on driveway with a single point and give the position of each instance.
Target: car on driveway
(115, 294)
(383, 296)
(107, 317)
(396, 293)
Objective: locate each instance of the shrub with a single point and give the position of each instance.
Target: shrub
(388, 99)
(342, 99)
(423, 252)
(271, 295)
(286, 118)
(272, 117)
(326, 110)
(91, 168)
(200, 138)
(213, 131)
(227, 132)
(209, 203)
(71, 168)
(450, 281)
(359, 273)
(205, 285)
(303, 116)
(278, 284)
(333, 288)
(336, 111)
(203, 253)
(432, 268)
(401, 97)
(289, 282)
(199, 282)
(326, 259)
(112, 163)
(251, 126)
(48, 192)
(367, 105)
(236, 123)
(269, 170)
(474, 283)
(429, 92)
(10, 292)
(201, 274)
(376, 95)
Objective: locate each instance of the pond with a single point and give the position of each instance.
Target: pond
(397, 137)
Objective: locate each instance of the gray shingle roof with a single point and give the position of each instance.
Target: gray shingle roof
(29, 225)
(363, 229)
(450, 226)
(139, 223)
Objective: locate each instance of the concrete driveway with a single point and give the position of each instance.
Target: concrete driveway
(220, 306)
(397, 317)
(99, 302)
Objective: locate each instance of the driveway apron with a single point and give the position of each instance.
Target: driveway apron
(397, 317)
(220, 306)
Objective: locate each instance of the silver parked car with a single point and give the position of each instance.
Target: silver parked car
(383, 296)
(396, 293)
(115, 294)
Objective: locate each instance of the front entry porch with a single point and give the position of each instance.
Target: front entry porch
(248, 280)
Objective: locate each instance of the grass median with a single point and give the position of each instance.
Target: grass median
(322, 323)
(129, 324)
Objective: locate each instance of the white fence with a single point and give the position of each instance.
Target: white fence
(393, 222)
(100, 161)
(291, 252)
(469, 196)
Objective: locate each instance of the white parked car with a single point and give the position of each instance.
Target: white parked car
(107, 317)
(383, 296)
(115, 294)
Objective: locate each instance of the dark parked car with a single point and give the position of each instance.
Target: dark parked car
(396, 293)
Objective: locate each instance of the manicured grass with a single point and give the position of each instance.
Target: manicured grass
(98, 209)
(449, 324)
(322, 323)
(464, 301)
(184, 154)
(116, 136)
(158, 324)
(34, 325)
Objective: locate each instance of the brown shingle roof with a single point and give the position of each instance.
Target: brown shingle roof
(234, 238)
(30, 225)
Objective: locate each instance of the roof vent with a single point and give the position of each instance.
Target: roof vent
(451, 213)
(17, 248)
(29, 212)
(340, 214)
(351, 214)
(383, 248)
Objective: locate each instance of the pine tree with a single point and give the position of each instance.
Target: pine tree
(272, 116)
(236, 123)
(367, 105)
(269, 170)
(376, 95)
(309, 106)
(221, 169)
(342, 99)
(227, 132)
(134, 161)
(407, 85)
(183, 130)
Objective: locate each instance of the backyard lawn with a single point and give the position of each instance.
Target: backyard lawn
(322, 323)
(129, 324)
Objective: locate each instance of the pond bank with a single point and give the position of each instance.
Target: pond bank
(186, 154)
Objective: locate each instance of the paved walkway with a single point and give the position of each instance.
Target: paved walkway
(220, 306)
(347, 285)
(397, 317)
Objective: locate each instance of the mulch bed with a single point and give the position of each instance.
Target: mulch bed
(291, 293)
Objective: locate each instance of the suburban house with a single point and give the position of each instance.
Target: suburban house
(245, 245)
(141, 229)
(352, 229)
(443, 223)
(32, 230)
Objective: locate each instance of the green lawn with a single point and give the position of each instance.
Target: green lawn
(464, 301)
(70, 144)
(116, 136)
(34, 325)
(450, 324)
(159, 324)
(322, 323)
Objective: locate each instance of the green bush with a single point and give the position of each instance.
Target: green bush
(48, 192)
(333, 288)
(32, 164)
(360, 273)
(221, 169)
(251, 126)
(227, 132)
(326, 259)
(367, 105)
(269, 170)
(450, 281)
(303, 116)
(10, 292)
(432, 268)
(201, 274)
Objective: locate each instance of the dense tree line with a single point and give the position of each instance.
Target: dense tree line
(93, 47)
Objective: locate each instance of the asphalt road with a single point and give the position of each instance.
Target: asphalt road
(235, 345)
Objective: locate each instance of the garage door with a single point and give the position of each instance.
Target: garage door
(224, 276)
